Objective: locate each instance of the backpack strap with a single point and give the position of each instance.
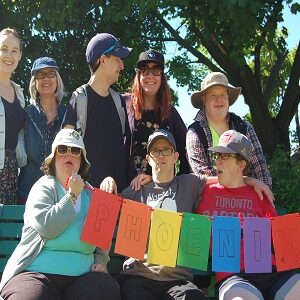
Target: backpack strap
(239, 124)
(120, 108)
(201, 134)
(80, 96)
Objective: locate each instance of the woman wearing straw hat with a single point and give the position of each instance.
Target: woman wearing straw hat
(213, 119)
(51, 261)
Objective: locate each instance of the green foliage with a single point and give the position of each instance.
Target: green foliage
(243, 38)
(286, 178)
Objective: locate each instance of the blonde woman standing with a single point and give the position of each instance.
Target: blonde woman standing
(11, 114)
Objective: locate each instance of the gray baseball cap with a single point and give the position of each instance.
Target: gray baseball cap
(232, 141)
(161, 134)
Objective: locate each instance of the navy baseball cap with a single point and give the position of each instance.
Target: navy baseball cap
(105, 43)
(161, 134)
(150, 56)
(43, 62)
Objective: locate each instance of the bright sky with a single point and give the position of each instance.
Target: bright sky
(188, 112)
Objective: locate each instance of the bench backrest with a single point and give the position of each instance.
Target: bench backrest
(11, 223)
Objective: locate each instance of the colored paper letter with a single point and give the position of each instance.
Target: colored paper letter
(226, 244)
(194, 241)
(133, 229)
(164, 236)
(286, 232)
(257, 245)
(101, 219)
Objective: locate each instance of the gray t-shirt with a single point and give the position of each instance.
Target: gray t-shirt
(182, 194)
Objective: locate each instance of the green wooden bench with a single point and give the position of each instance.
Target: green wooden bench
(11, 223)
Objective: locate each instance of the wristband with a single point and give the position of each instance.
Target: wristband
(73, 197)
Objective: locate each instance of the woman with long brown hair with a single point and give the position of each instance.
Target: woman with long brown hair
(150, 108)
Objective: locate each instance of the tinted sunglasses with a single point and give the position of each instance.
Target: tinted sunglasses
(156, 71)
(114, 47)
(63, 150)
(223, 156)
(42, 75)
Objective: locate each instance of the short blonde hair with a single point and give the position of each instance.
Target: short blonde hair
(59, 94)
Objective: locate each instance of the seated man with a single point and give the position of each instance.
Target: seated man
(232, 156)
(141, 280)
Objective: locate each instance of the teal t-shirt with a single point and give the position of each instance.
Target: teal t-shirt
(67, 254)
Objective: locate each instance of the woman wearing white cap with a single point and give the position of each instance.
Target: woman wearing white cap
(43, 120)
(51, 262)
(213, 119)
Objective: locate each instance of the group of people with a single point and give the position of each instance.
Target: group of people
(108, 140)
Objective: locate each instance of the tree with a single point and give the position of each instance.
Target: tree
(239, 37)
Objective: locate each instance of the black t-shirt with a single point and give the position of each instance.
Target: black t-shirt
(103, 139)
(14, 121)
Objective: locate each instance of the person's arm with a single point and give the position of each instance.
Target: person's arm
(197, 157)
(48, 215)
(260, 187)
(258, 164)
(101, 259)
(179, 131)
(140, 180)
(109, 185)
(70, 117)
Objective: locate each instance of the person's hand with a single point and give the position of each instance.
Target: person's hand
(75, 184)
(97, 268)
(260, 188)
(140, 180)
(109, 185)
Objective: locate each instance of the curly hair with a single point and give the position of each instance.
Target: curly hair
(49, 168)
(163, 98)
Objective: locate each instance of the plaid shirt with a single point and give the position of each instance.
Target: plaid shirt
(200, 159)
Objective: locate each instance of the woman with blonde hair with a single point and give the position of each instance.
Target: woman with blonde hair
(11, 116)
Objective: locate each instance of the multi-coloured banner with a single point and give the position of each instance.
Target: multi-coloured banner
(184, 239)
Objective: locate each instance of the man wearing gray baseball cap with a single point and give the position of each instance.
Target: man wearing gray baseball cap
(99, 113)
(231, 196)
(213, 119)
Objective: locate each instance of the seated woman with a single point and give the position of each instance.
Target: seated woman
(51, 262)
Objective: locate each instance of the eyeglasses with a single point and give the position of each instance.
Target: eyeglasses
(223, 156)
(163, 151)
(154, 71)
(63, 150)
(42, 75)
(114, 47)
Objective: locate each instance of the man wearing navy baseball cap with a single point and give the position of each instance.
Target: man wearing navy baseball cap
(99, 113)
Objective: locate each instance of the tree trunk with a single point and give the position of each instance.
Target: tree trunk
(297, 127)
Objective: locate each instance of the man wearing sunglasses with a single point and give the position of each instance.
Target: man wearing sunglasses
(233, 197)
(180, 193)
(99, 113)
